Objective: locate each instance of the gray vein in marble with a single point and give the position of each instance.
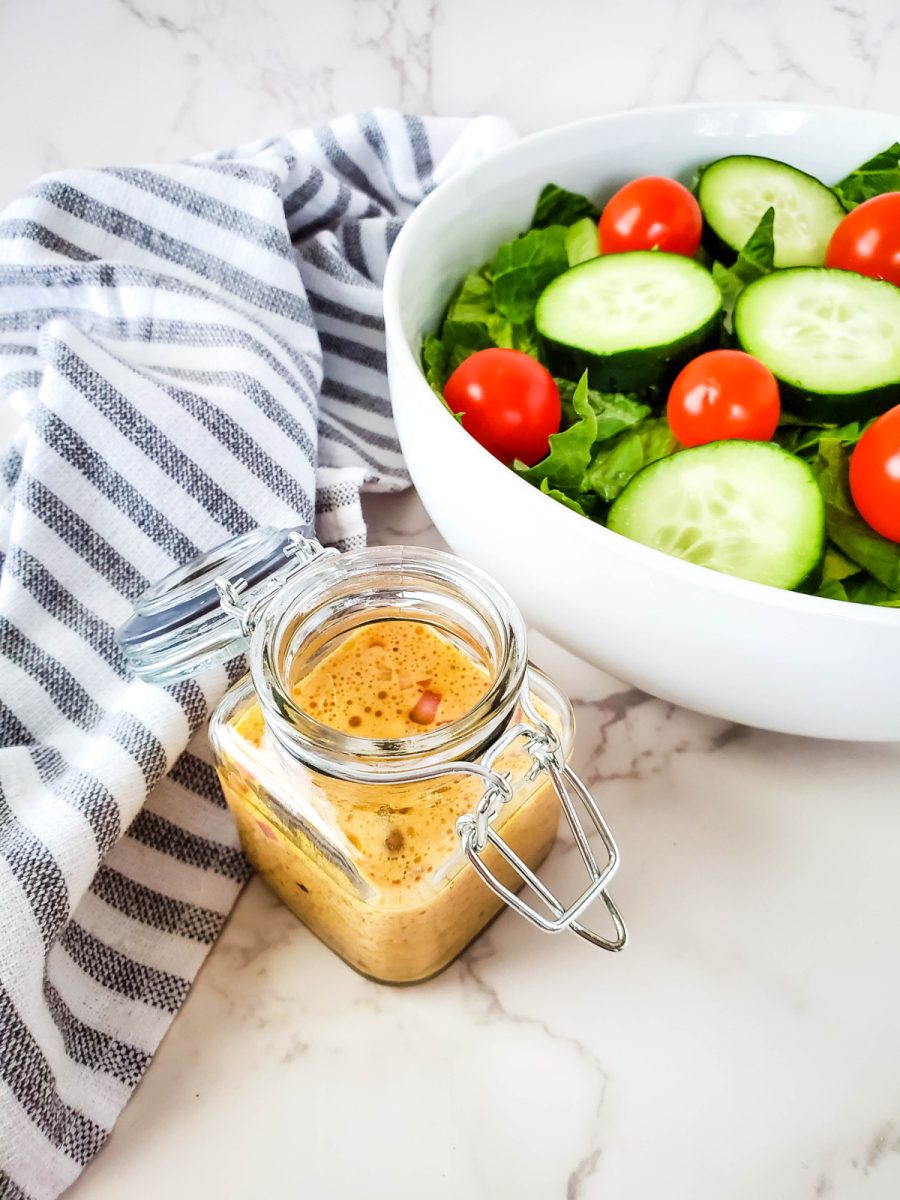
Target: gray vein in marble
(469, 974)
(156, 20)
(181, 120)
(793, 70)
(706, 734)
(885, 1141)
(582, 1173)
(617, 704)
(857, 31)
(295, 1048)
(409, 50)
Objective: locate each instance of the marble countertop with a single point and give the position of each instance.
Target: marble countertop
(747, 1044)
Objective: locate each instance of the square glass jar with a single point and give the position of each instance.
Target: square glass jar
(377, 870)
(395, 850)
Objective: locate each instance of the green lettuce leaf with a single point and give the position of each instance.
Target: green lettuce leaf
(803, 440)
(582, 242)
(617, 462)
(843, 524)
(788, 419)
(835, 572)
(832, 589)
(580, 506)
(880, 174)
(570, 451)
(757, 256)
(523, 268)
(615, 411)
(557, 206)
(861, 590)
(869, 591)
(608, 439)
(838, 566)
(755, 260)
(472, 323)
(434, 362)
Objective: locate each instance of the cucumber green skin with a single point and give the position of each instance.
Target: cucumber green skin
(818, 551)
(631, 370)
(838, 408)
(717, 250)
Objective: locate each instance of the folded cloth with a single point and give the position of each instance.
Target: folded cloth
(196, 349)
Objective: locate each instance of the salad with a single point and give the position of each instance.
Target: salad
(713, 372)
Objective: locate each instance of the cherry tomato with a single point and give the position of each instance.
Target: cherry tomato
(868, 239)
(651, 213)
(875, 475)
(508, 401)
(723, 394)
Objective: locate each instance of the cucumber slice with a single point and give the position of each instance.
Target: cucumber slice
(735, 192)
(630, 320)
(831, 338)
(745, 508)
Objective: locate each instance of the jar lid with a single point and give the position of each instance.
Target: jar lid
(187, 621)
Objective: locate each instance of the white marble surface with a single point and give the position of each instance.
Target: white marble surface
(747, 1044)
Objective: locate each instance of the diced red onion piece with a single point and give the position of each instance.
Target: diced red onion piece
(425, 708)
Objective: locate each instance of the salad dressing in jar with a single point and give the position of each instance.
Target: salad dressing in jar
(395, 767)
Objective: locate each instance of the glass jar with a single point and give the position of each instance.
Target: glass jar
(395, 851)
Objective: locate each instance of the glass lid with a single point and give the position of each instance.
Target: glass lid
(187, 621)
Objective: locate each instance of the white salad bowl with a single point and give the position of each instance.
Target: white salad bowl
(738, 650)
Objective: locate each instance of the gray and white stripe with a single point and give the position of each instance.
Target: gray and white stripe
(195, 349)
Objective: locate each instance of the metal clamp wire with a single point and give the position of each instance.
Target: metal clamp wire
(475, 832)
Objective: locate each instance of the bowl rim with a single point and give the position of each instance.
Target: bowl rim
(407, 360)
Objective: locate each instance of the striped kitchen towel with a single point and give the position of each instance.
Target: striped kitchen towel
(195, 350)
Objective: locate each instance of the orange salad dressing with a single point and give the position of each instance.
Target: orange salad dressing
(389, 890)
